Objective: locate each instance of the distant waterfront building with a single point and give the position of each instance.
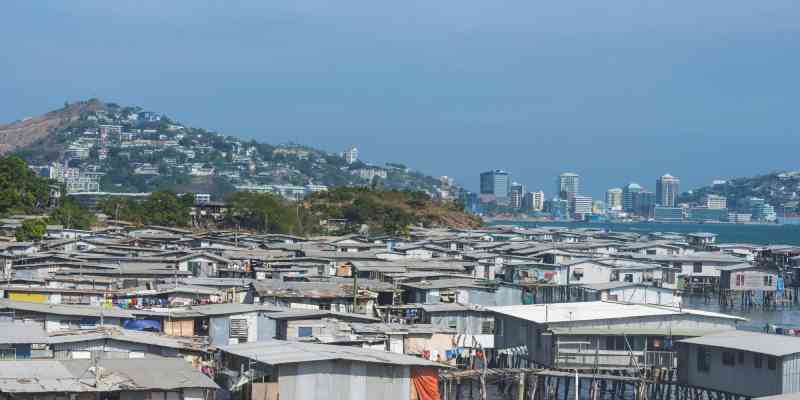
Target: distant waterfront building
(614, 199)
(761, 211)
(643, 203)
(558, 208)
(350, 155)
(667, 188)
(495, 187)
(568, 185)
(716, 202)
(598, 207)
(668, 214)
(739, 218)
(627, 196)
(517, 192)
(581, 206)
(703, 214)
(533, 201)
(538, 201)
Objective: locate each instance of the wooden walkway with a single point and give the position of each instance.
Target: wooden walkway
(548, 384)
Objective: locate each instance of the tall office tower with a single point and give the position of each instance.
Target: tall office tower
(614, 199)
(568, 185)
(538, 201)
(667, 190)
(644, 203)
(627, 196)
(495, 186)
(517, 193)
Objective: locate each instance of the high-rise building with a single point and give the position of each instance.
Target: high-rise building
(614, 199)
(350, 155)
(568, 185)
(643, 203)
(495, 187)
(716, 202)
(558, 208)
(538, 201)
(667, 188)
(581, 206)
(517, 192)
(627, 196)
(533, 201)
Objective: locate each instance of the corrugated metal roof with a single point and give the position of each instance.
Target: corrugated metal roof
(75, 376)
(774, 345)
(62, 309)
(595, 310)
(14, 332)
(277, 352)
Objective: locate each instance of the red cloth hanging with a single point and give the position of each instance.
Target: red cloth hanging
(426, 383)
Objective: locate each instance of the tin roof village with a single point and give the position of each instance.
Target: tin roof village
(162, 313)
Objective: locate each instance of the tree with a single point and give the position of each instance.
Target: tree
(70, 214)
(262, 212)
(31, 229)
(20, 188)
(165, 208)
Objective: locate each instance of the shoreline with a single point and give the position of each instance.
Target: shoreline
(491, 220)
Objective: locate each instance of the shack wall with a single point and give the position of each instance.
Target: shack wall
(344, 380)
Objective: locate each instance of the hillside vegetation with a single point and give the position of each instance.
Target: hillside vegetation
(780, 189)
(147, 151)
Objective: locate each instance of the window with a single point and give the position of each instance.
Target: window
(698, 268)
(238, 328)
(772, 362)
(452, 323)
(8, 352)
(703, 359)
(304, 331)
(768, 280)
(615, 343)
(651, 252)
(758, 360)
(740, 356)
(728, 358)
(628, 277)
(487, 327)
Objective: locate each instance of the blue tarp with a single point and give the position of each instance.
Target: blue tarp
(142, 325)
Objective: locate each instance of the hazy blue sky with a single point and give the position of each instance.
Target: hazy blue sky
(615, 90)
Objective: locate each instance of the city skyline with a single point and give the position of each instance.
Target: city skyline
(579, 181)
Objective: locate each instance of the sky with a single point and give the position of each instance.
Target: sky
(617, 91)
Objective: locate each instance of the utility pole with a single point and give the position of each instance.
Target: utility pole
(355, 287)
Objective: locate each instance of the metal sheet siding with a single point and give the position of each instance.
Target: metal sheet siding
(344, 380)
(791, 373)
(219, 331)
